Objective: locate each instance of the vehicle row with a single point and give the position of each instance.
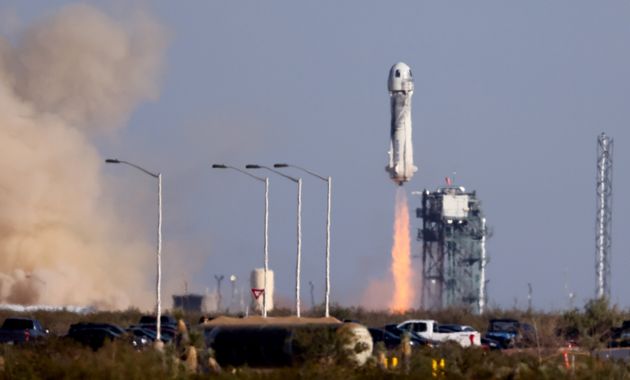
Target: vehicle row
(501, 334)
(425, 332)
(92, 334)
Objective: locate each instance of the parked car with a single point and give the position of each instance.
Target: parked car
(455, 328)
(511, 333)
(165, 320)
(142, 332)
(620, 336)
(490, 344)
(21, 330)
(95, 335)
(429, 329)
(168, 326)
(167, 332)
(415, 338)
(91, 325)
(389, 340)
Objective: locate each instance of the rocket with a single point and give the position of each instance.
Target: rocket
(400, 86)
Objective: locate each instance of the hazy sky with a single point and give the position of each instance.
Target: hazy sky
(509, 94)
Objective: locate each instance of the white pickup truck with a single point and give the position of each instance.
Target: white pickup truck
(430, 329)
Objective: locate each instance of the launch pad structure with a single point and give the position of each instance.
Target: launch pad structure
(453, 236)
(603, 227)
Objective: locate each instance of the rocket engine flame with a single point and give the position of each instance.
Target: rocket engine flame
(402, 272)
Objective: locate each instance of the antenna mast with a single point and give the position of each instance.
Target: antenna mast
(603, 229)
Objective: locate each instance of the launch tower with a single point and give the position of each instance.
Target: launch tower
(453, 238)
(603, 228)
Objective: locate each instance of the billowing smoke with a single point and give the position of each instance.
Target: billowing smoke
(72, 74)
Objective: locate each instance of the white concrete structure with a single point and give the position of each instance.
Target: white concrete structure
(257, 281)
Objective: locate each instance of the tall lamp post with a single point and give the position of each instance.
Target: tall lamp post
(158, 285)
(299, 230)
(266, 239)
(328, 180)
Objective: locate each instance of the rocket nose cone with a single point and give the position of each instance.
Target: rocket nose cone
(399, 65)
(400, 78)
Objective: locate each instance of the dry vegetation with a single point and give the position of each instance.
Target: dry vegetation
(589, 326)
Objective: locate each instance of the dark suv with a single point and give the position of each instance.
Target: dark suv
(510, 333)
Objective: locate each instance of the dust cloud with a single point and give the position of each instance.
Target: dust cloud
(71, 75)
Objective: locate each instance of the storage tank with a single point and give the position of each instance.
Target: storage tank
(257, 282)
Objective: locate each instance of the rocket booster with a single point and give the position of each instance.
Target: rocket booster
(400, 86)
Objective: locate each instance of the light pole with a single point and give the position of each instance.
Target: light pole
(328, 180)
(158, 285)
(219, 279)
(299, 230)
(233, 282)
(266, 239)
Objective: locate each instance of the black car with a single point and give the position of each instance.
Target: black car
(95, 335)
(390, 340)
(92, 336)
(167, 332)
(21, 330)
(620, 336)
(490, 344)
(142, 332)
(416, 339)
(91, 325)
(165, 320)
(511, 333)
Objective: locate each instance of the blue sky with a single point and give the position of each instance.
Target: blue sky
(509, 94)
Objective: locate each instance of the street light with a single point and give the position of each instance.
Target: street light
(233, 282)
(299, 229)
(328, 180)
(266, 241)
(158, 285)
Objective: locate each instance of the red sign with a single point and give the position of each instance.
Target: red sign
(257, 292)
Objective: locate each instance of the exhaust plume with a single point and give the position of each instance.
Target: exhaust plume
(401, 256)
(69, 75)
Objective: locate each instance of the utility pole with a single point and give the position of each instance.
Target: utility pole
(530, 291)
(233, 281)
(219, 278)
(310, 283)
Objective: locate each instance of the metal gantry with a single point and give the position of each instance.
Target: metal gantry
(453, 236)
(482, 272)
(603, 229)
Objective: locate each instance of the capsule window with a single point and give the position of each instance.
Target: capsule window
(397, 73)
(410, 73)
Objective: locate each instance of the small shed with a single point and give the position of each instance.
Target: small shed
(188, 302)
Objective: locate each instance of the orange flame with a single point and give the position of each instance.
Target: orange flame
(401, 257)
